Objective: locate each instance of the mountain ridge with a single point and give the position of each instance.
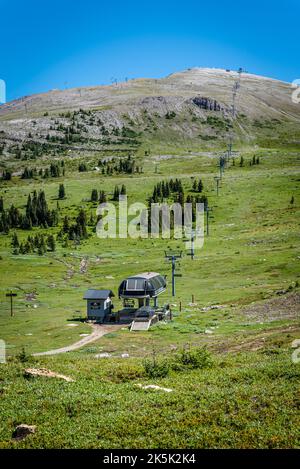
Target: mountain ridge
(193, 107)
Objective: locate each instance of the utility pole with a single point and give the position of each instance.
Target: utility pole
(207, 210)
(229, 148)
(173, 257)
(192, 245)
(191, 240)
(11, 295)
(236, 87)
(217, 179)
(222, 163)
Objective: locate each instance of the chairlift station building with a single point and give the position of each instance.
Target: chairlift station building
(99, 304)
(140, 301)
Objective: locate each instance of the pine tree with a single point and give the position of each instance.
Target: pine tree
(94, 195)
(51, 243)
(61, 192)
(29, 206)
(195, 185)
(40, 251)
(181, 198)
(123, 190)
(116, 193)
(167, 189)
(102, 197)
(200, 186)
(27, 247)
(292, 200)
(15, 241)
(7, 175)
(66, 225)
(42, 246)
(81, 224)
(241, 161)
(27, 223)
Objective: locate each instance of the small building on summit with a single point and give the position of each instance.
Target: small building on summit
(99, 304)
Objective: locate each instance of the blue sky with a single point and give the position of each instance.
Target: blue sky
(59, 44)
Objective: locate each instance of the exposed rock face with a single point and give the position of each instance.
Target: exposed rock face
(207, 103)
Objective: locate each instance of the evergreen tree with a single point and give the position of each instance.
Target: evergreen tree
(102, 197)
(51, 243)
(181, 198)
(195, 185)
(15, 241)
(66, 225)
(1, 205)
(27, 247)
(42, 246)
(82, 167)
(94, 195)
(27, 223)
(292, 200)
(41, 252)
(41, 209)
(7, 175)
(116, 193)
(200, 186)
(61, 192)
(80, 227)
(123, 190)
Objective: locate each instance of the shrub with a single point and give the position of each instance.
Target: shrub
(23, 356)
(124, 374)
(193, 358)
(156, 368)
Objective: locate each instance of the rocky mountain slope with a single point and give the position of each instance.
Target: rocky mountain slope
(192, 108)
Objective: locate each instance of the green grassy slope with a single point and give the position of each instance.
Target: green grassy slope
(248, 398)
(243, 401)
(250, 253)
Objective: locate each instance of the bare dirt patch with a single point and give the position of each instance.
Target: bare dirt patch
(284, 307)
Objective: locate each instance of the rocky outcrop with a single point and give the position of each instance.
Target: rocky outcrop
(23, 430)
(207, 103)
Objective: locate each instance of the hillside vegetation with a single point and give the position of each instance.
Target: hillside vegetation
(226, 356)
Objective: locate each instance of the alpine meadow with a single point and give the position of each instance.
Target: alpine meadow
(145, 342)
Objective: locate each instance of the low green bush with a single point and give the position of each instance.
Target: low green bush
(188, 357)
(156, 368)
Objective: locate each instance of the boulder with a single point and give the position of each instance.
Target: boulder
(23, 430)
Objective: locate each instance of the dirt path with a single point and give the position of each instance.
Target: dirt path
(98, 331)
